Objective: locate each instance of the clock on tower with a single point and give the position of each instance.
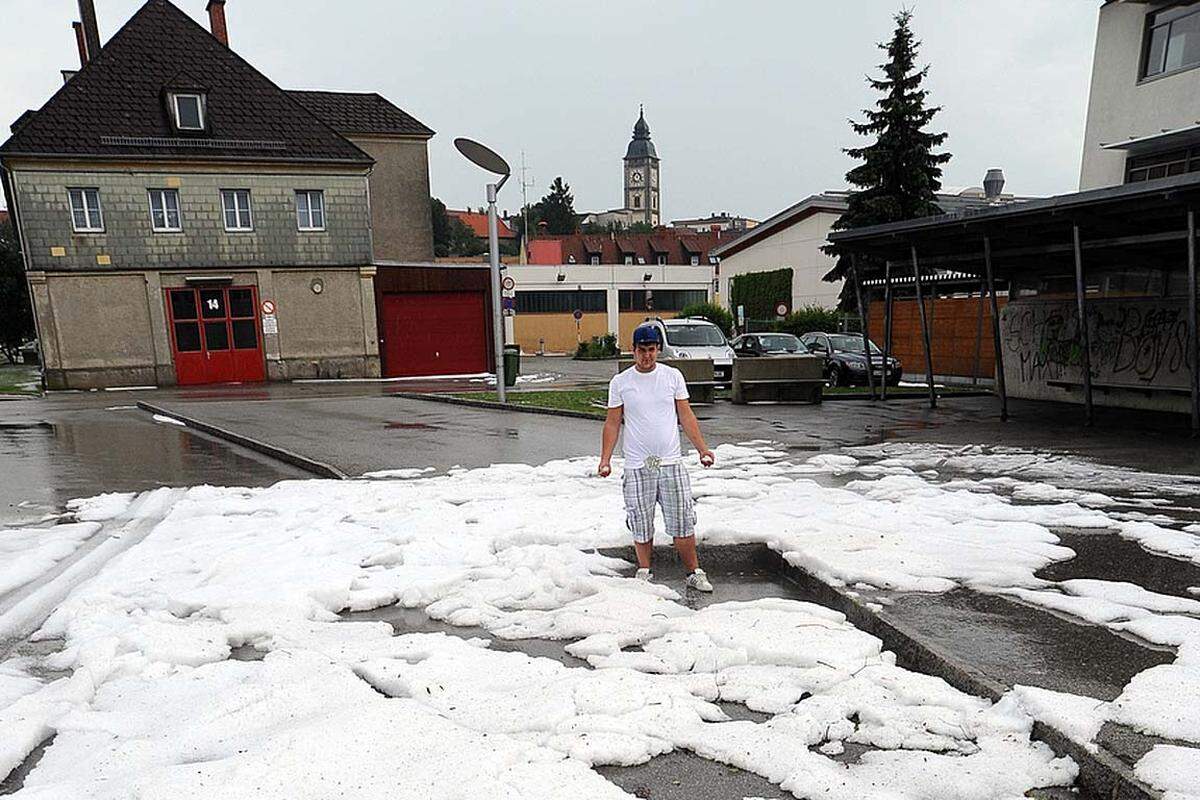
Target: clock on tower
(641, 174)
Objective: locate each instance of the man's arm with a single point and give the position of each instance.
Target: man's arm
(691, 429)
(608, 439)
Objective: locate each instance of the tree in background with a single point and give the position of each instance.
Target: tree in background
(900, 174)
(556, 209)
(441, 227)
(16, 316)
(717, 315)
(452, 236)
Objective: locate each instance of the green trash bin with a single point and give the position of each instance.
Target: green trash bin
(512, 364)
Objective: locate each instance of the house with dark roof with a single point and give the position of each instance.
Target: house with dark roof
(183, 219)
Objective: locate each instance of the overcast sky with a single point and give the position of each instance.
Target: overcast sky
(747, 101)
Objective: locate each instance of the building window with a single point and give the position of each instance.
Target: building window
(637, 201)
(659, 299)
(164, 211)
(661, 259)
(560, 302)
(236, 205)
(628, 259)
(594, 260)
(189, 111)
(1172, 39)
(695, 260)
(86, 216)
(1161, 165)
(310, 210)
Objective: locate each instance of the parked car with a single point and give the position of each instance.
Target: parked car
(696, 337)
(845, 362)
(767, 344)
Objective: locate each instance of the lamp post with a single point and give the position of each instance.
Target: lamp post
(487, 159)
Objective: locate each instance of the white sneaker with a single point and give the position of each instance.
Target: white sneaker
(698, 581)
(643, 574)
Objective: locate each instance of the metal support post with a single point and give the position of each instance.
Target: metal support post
(924, 328)
(497, 312)
(887, 327)
(979, 333)
(1193, 323)
(991, 287)
(1084, 340)
(862, 314)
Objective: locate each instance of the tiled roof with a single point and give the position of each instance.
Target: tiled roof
(361, 112)
(115, 107)
(677, 245)
(478, 223)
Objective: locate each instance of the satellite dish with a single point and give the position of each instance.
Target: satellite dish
(482, 156)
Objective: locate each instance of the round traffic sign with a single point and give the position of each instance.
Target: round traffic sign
(268, 307)
(508, 283)
(781, 309)
(578, 315)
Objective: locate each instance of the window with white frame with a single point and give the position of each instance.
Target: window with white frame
(189, 111)
(661, 259)
(628, 259)
(164, 211)
(235, 203)
(593, 260)
(310, 210)
(695, 262)
(86, 216)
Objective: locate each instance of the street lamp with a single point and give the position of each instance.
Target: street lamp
(487, 159)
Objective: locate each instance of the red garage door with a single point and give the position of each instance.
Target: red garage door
(214, 335)
(434, 333)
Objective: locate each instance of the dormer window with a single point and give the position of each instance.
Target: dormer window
(188, 110)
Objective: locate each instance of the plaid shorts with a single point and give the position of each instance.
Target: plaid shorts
(667, 485)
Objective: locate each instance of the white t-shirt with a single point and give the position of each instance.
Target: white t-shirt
(651, 423)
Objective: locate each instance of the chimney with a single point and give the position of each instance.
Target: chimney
(216, 21)
(993, 184)
(81, 43)
(91, 33)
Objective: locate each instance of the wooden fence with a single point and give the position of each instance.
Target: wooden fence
(954, 324)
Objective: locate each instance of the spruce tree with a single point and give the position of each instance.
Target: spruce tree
(557, 209)
(900, 174)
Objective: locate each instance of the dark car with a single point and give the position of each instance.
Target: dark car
(845, 362)
(767, 344)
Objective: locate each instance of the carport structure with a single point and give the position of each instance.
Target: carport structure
(1150, 224)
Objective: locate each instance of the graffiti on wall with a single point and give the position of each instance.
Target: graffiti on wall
(1134, 342)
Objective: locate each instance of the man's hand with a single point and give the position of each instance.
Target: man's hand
(707, 458)
(604, 470)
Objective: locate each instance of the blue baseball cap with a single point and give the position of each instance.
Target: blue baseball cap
(647, 334)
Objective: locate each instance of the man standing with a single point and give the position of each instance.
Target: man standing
(652, 399)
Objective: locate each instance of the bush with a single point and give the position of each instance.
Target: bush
(760, 292)
(808, 320)
(599, 347)
(721, 317)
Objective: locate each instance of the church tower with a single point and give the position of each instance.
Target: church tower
(641, 175)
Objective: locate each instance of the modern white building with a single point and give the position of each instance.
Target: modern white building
(1143, 117)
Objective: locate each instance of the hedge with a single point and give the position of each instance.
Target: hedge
(713, 313)
(760, 292)
(808, 320)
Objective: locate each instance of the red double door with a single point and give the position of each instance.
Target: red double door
(215, 336)
(434, 333)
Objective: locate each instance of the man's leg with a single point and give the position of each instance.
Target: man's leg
(645, 551)
(686, 547)
(639, 489)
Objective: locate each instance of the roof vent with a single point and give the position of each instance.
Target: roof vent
(993, 184)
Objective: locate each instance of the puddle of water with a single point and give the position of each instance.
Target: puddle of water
(1107, 556)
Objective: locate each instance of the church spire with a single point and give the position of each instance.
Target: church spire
(641, 146)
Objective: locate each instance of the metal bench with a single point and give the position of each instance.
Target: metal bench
(782, 379)
(697, 374)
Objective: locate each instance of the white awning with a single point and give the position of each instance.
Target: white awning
(1164, 140)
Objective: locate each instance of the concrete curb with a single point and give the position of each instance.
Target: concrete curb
(493, 406)
(1101, 774)
(833, 398)
(319, 468)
